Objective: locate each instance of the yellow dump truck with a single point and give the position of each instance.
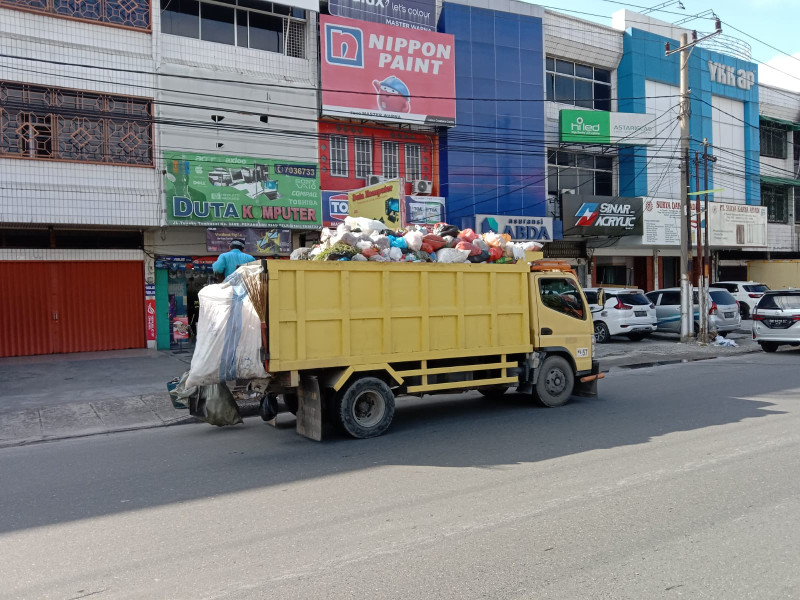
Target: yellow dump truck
(343, 339)
(776, 274)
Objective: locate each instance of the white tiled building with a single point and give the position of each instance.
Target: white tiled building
(91, 97)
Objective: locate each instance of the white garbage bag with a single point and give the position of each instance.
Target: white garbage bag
(228, 337)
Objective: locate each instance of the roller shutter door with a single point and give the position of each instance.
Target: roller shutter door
(70, 306)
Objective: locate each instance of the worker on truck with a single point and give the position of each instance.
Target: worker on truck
(229, 261)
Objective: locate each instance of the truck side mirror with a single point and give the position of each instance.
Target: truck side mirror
(601, 297)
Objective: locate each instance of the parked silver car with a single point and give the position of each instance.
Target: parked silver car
(776, 319)
(723, 310)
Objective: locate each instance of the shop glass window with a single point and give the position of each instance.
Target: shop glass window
(773, 140)
(578, 84)
(363, 148)
(776, 199)
(339, 156)
(127, 13)
(585, 173)
(562, 296)
(59, 124)
(391, 162)
(413, 164)
(251, 24)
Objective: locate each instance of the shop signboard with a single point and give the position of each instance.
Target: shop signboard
(602, 127)
(384, 73)
(737, 225)
(150, 317)
(521, 229)
(257, 241)
(380, 202)
(412, 14)
(185, 263)
(730, 225)
(211, 189)
(419, 210)
(601, 216)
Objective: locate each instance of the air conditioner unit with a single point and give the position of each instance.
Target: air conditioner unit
(373, 179)
(421, 187)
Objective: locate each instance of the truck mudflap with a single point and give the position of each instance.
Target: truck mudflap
(586, 383)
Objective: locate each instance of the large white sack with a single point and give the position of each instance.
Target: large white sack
(228, 337)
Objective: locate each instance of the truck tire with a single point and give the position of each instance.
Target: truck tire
(290, 400)
(495, 392)
(555, 382)
(365, 408)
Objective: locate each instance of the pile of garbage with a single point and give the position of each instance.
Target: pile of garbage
(361, 239)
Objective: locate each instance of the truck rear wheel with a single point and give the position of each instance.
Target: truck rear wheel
(555, 383)
(366, 407)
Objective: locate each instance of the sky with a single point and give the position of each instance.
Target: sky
(771, 27)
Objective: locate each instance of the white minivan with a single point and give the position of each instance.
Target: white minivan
(620, 311)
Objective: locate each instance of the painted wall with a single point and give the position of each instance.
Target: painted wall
(493, 161)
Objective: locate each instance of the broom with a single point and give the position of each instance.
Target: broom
(258, 290)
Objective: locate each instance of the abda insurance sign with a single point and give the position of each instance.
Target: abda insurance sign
(386, 73)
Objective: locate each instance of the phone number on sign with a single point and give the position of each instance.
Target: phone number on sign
(296, 170)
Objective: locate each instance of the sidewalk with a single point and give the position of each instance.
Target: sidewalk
(53, 397)
(68, 395)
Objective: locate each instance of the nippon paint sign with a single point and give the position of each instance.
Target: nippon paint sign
(603, 127)
(412, 14)
(384, 73)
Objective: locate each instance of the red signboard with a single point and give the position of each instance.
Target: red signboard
(150, 318)
(180, 328)
(386, 73)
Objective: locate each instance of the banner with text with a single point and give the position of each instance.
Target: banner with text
(419, 210)
(380, 202)
(521, 229)
(602, 127)
(412, 14)
(384, 73)
(257, 242)
(210, 189)
(601, 215)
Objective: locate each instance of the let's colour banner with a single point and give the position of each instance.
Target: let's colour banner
(386, 73)
(241, 191)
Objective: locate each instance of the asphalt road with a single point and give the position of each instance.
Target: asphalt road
(682, 481)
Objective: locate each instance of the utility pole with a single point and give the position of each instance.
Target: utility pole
(687, 304)
(701, 271)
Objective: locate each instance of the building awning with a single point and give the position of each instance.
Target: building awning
(779, 180)
(789, 124)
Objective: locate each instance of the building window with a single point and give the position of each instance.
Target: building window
(126, 13)
(581, 173)
(391, 160)
(578, 84)
(245, 23)
(796, 207)
(773, 140)
(776, 199)
(58, 124)
(339, 156)
(413, 164)
(363, 148)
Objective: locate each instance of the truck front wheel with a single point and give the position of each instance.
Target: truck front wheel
(366, 407)
(555, 382)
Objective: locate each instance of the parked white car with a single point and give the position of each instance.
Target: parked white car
(621, 311)
(747, 294)
(776, 319)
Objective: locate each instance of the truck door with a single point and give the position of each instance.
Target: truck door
(561, 318)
